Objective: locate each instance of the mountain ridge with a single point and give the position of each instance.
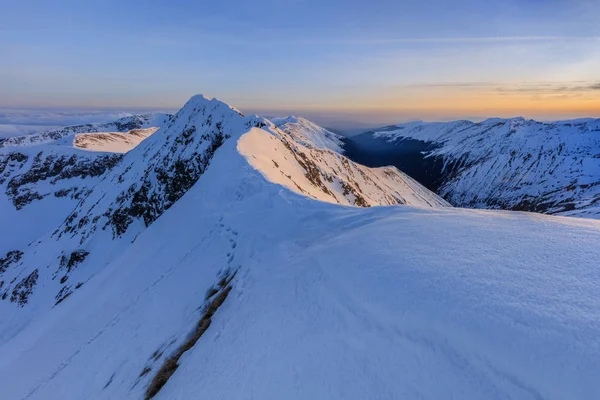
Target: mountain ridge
(376, 300)
(139, 186)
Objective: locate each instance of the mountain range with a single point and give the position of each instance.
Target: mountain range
(210, 254)
(511, 164)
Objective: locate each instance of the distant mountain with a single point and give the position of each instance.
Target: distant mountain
(305, 158)
(512, 164)
(125, 124)
(309, 134)
(44, 175)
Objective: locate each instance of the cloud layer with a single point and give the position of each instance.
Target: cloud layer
(22, 122)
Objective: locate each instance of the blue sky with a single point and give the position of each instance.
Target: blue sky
(375, 60)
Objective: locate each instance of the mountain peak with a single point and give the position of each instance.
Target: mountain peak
(200, 100)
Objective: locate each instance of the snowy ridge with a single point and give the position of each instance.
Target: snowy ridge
(309, 134)
(325, 301)
(148, 181)
(514, 164)
(328, 176)
(161, 169)
(156, 174)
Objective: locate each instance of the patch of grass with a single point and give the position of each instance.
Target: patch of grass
(162, 376)
(171, 364)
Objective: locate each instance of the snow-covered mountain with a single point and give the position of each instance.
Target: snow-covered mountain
(309, 134)
(219, 258)
(50, 171)
(512, 164)
(148, 180)
(306, 167)
(125, 124)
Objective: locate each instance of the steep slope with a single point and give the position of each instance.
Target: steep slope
(43, 176)
(328, 176)
(513, 164)
(326, 301)
(147, 181)
(309, 134)
(40, 185)
(112, 142)
(156, 174)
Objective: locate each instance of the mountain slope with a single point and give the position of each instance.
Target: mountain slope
(513, 164)
(40, 185)
(324, 301)
(328, 176)
(113, 142)
(309, 134)
(43, 176)
(147, 181)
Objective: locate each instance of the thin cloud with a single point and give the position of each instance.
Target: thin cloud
(552, 88)
(519, 87)
(182, 40)
(489, 39)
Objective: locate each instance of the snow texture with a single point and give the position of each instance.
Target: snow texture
(309, 134)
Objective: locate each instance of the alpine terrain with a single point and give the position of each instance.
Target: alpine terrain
(511, 164)
(215, 255)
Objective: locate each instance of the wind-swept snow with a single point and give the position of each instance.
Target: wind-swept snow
(327, 302)
(309, 134)
(112, 142)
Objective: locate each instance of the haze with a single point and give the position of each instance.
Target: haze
(341, 63)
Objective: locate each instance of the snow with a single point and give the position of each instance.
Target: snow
(341, 181)
(329, 301)
(112, 142)
(511, 162)
(35, 220)
(42, 215)
(141, 121)
(10, 130)
(309, 134)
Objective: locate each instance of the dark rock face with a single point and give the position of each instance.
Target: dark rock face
(23, 177)
(11, 258)
(24, 289)
(73, 260)
(10, 162)
(51, 168)
(149, 202)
